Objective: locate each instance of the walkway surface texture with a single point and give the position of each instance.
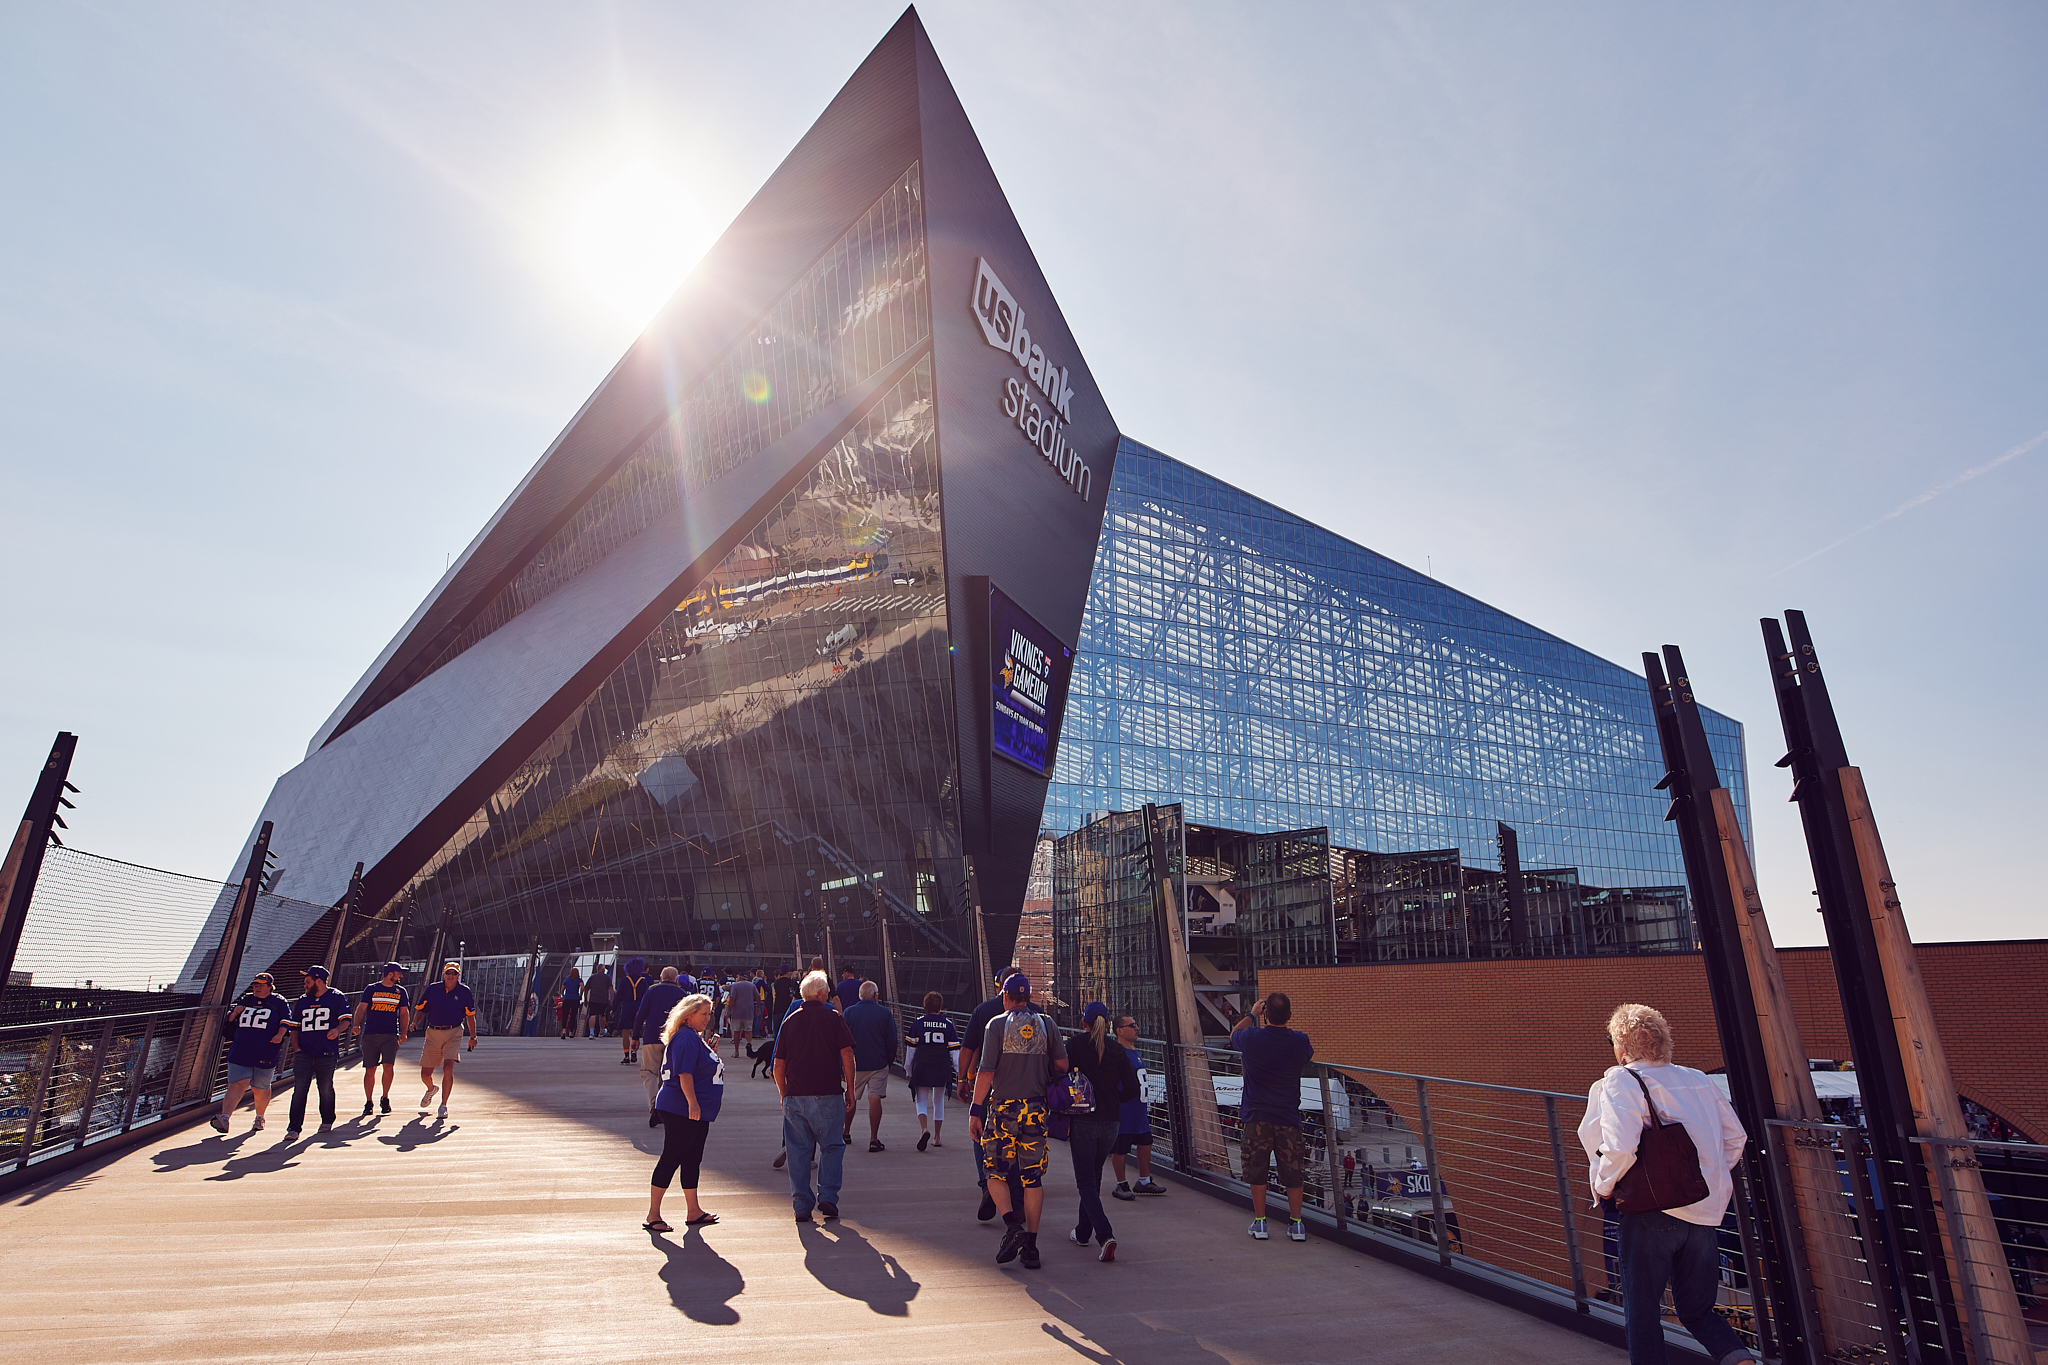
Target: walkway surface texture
(511, 1231)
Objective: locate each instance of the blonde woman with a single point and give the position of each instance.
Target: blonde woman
(1674, 1247)
(692, 1087)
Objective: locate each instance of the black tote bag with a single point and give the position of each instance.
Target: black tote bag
(1667, 1172)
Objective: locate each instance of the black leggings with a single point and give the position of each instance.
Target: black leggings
(682, 1149)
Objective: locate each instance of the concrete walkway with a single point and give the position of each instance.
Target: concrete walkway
(511, 1231)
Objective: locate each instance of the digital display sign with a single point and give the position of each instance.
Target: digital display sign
(1028, 673)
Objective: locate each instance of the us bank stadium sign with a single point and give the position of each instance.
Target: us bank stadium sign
(1038, 400)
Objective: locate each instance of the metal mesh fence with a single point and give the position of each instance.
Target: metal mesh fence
(103, 936)
(104, 924)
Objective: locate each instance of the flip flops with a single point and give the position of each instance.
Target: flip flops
(705, 1221)
(656, 1226)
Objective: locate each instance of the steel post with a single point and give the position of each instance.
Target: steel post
(32, 839)
(1436, 1174)
(1564, 1203)
(1331, 1161)
(136, 1073)
(92, 1087)
(35, 1108)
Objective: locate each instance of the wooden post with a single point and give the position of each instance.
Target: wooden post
(1824, 1216)
(1976, 1259)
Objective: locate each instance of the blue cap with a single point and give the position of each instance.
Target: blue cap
(1094, 1010)
(390, 967)
(316, 970)
(1016, 983)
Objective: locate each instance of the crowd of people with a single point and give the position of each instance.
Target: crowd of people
(262, 1025)
(831, 1047)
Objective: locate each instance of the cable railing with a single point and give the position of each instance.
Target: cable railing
(79, 1082)
(1484, 1184)
(1876, 1310)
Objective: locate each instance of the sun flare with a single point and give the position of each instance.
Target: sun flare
(635, 235)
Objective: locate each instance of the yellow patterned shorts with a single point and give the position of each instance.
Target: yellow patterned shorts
(1013, 1139)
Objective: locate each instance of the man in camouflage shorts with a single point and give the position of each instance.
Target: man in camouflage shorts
(1270, 1107)
(1019, 1055)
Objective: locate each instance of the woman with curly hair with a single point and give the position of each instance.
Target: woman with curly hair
(1674, 1246)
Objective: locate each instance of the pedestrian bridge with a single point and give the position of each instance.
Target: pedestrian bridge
(511, 1230)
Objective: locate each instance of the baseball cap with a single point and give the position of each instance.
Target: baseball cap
(316, 970)
(390, 967)
(1017, 984)
(265, 977)
(1094, 1010)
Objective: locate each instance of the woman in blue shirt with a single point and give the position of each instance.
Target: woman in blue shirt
(692, 1086)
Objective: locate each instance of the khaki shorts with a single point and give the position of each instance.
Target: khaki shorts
(873, 1084)
(442, 1045)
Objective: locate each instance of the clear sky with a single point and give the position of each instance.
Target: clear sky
(1639, 321)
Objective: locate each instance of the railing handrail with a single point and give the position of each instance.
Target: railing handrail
(1220, 1051)
(2041, 1147)
(42, 1026)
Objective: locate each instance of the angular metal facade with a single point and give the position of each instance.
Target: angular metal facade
(715, 675)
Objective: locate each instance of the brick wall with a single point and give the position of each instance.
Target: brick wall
(1541, 1024)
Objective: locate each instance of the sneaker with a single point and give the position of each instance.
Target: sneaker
(781, 1159)
(1030, 1252)
(984, 1213)
(326, 1127)
(428, 1098)
(291, 1135)
(257, 1126)
(1123, 1192)
(383, 1105)
(443, 1111)
(924, 1140)
(219, 1122)
(1079, 1237)
(828, 1208)
(625, 1061)
(1148, 1186)
(1013, 1242)
(876, 1146)
(1258, 1230)
(1108, 1251)
(1295, 1231)
(369, 1108)
(804, 1219)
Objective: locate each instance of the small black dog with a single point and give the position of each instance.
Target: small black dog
(763, 1056)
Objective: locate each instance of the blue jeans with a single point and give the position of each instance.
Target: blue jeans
(1089, 1143)
(812, 1124)
(1656, 1250)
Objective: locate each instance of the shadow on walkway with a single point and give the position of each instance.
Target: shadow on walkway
(701, 1283)
(847, 1264)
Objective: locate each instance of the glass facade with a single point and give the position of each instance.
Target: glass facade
(774, 764)
(860, 306)
(1271, 675)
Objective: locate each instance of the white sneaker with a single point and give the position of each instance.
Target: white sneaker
(428, 1098)
(1258, 1230)
(444, 1111)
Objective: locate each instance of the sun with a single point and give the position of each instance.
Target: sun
(634, 236)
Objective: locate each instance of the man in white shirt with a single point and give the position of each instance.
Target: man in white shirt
(1672, 1246)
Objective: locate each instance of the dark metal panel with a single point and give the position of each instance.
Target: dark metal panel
(1010, 518)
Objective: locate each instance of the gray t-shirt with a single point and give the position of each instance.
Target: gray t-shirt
(739, 999)
(1018, 1049)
